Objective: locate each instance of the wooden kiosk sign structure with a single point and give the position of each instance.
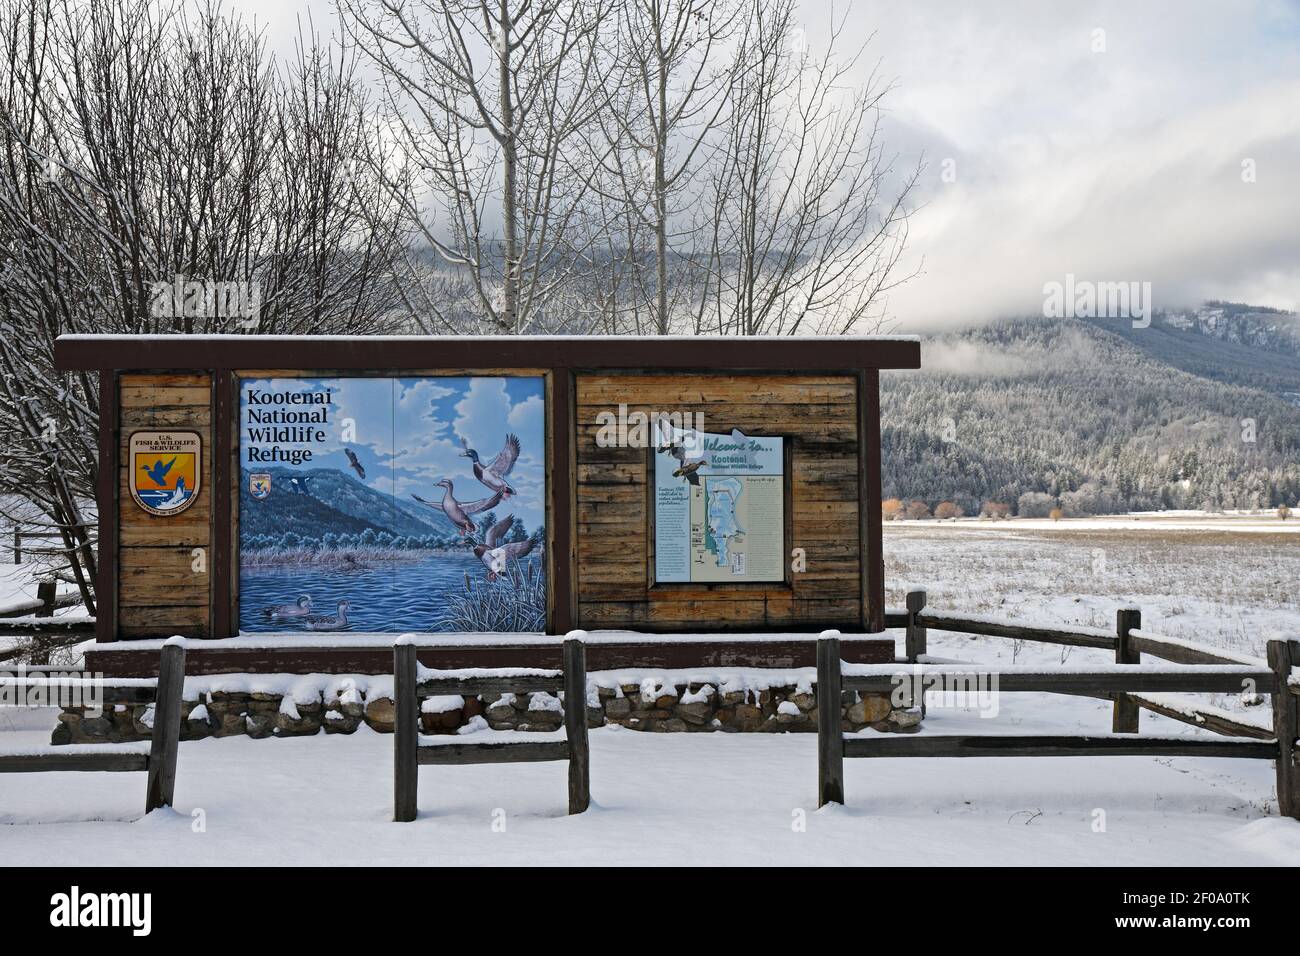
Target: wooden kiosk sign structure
(296, 499)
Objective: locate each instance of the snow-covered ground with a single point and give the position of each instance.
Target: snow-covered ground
(1220, 580)
(659, 799)
(699, 799)
(1234, 522)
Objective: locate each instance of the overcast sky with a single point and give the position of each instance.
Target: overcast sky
(1119, 165)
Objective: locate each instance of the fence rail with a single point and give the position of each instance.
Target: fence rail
(1021, 632)
(45, 603)
(159, 761)
(883, 679)
(1054, 746)
(36, 533)
(1196, 669)
(409, 753)
(1129, 642)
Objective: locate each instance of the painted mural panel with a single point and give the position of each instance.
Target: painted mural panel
(392, 504)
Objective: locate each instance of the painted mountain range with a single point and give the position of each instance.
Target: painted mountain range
(332, 502)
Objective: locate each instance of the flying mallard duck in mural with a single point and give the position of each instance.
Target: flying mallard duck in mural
(494, 473)
(299, 484)
(494, 555)
(354, 464)
(329, 622)
(458, 512)
(300, 608)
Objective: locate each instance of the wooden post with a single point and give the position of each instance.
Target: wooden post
(830, 734)
(561, 424)
(107, 490)
(1125, 715)
(575, 722)
(223, 557)
(406, 741)
(915, 640)
(18, 545)
(1282, 656)
(870, 522)
(46, 591)
(915, 632)
(166, 727)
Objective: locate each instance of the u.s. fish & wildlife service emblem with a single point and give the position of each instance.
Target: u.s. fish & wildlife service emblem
(259, 485)
(165, 470)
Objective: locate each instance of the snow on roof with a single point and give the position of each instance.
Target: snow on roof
(694, 339)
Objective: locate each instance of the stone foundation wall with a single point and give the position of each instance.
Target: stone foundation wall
(651, 706)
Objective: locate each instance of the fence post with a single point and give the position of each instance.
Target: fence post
(18, 545)
(46, 592)
(165, 744)
(575, 721)
(1282, 656)
(915, 632)
(915, 640)
(406, 741)
(1124, 717)
(830, 734)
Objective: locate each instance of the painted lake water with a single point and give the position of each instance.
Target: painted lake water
(399, 595)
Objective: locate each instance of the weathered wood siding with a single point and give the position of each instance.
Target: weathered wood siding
(159, 592)
(818, 415)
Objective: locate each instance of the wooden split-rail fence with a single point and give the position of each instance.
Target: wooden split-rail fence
(44, 605)
(33, 620)
(158, 760)
(411, 750)
(1125, 683)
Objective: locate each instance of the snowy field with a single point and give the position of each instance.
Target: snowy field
(1228, 581)
(703, 799)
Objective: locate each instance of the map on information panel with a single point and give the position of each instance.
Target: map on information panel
(719, 508)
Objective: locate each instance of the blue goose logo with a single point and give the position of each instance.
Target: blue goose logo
(165, 470)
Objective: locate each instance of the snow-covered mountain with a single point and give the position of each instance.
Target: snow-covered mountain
(1162, 417)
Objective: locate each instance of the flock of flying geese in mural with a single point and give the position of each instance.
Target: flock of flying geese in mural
(493, 551)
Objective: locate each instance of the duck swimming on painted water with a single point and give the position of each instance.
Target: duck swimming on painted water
(330, 622)
(300, 608)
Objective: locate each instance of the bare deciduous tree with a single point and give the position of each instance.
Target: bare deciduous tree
(529, 165)
(484, 98)
(141, 145)
(808, 232)
(664, 99)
